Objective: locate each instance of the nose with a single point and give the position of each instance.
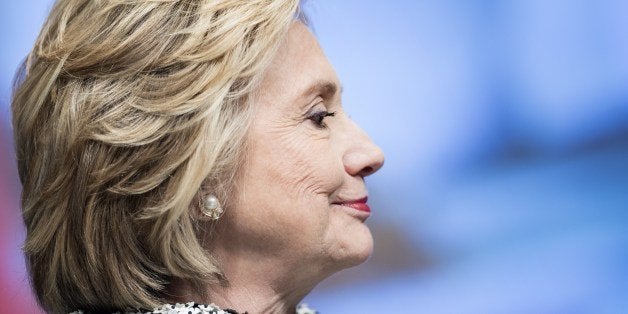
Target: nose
(363, 157)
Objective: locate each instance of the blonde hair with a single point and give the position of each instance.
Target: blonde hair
(125, 112)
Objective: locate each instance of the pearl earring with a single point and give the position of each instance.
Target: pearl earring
(211, 207)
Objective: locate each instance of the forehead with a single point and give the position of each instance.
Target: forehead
(298, 66)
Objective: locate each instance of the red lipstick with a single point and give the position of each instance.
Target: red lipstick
(359, 204)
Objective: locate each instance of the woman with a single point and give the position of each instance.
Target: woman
(174, 151)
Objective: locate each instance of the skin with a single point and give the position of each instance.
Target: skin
(287, 231)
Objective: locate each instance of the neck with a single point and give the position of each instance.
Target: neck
(253, 284)
(253, 297)
(254, 288)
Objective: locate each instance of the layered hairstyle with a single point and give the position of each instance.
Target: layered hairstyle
(124, 113)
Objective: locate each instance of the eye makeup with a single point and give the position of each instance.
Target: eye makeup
(318, 118)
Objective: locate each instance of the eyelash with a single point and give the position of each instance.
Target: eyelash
(318, 117)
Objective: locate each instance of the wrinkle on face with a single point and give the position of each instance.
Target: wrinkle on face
(288, 136)
(285, 211)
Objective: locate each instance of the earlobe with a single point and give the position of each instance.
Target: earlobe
(212, 209)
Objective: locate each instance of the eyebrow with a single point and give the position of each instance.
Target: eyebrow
(326, 89)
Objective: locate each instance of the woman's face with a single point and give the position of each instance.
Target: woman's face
(300, 194)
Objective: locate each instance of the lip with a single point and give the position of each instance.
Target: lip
(357, 204)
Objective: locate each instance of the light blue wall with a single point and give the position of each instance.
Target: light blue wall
(505, 127)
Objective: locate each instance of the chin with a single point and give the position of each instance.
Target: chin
(356, 248)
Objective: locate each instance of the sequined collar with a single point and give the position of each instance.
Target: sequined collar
(195, 308)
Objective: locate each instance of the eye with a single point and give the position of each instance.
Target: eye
(318, 118)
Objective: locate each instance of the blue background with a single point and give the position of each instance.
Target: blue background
(505, 127)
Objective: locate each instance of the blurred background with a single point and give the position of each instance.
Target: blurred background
(505, 127)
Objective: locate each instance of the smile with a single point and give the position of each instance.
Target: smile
(361, 208)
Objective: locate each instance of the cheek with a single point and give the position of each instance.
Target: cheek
(306, 168)
(285, 189)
